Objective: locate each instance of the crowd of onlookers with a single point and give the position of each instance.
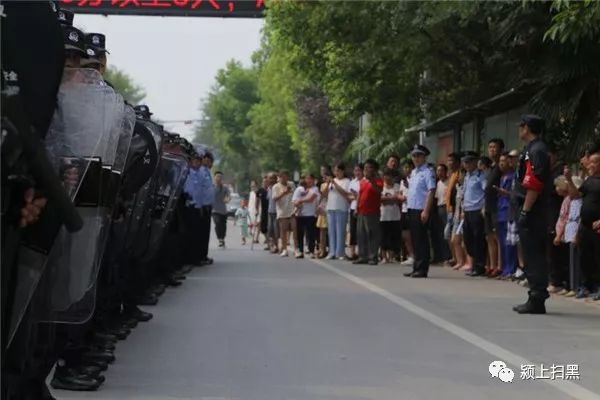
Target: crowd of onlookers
(467, 213)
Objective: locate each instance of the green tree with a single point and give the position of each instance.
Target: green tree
(226, 117)
(402, 62)
(125, 85)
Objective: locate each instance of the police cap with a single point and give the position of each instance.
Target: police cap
(91, 56)
(200, 150)
(65, 17)
(469, 156)
(97, 41)
(73, 39)
(143, 111)
(419, 149)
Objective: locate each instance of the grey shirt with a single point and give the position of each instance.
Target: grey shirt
(219, 206)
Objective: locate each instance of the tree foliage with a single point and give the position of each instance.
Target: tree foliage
(125, 85)
(324, 64)
(226, 118)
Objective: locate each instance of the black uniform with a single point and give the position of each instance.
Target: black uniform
(534, 174)
(261, 194)
(590, 238)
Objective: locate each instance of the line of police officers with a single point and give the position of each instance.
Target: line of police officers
(534, 186)
(93, 217)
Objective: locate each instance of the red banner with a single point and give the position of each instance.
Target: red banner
(184, 8)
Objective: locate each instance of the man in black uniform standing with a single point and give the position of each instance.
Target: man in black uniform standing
(533, 184)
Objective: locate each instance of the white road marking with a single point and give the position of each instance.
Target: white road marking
(570, 388)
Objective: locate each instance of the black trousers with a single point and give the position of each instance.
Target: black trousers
(533, 243)
(590, 258)
(474, 236)
(437, 223)
(192, 222)
(204, 231)
(220, 225)
(420, 238)
(558, 261)
(353, 228)
(306, 226)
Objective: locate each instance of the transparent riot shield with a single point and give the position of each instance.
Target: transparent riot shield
(82, 141)
(173, 172)
(112, 173)
(122, 133)
(141, 214)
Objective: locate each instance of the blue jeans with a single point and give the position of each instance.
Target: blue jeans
(336, 222)
(508, 252)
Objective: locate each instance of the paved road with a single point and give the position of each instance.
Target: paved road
(255, 326)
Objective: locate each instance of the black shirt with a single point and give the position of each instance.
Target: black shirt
(261, 194)
(535, 156)
(590, 205)
(491, 197)
(31, 34)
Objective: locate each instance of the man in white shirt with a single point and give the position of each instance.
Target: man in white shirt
(441, 251)
(354, 189)
(282, 196)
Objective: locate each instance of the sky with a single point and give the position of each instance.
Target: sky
(175, 59)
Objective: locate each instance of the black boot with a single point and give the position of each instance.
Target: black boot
(106, 337)
(171, 282)
(184, 270)
(158, 289)
(138, 314)
(128, 322)
(70, 379)
(149, 299)
(93, 354)
(103, 365)
(532, 306)
(89, 370)
(103, 345)
(118, 332)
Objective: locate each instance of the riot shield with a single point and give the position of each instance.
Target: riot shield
(83, 140)
(111, 182)
(141, 213)
(141, 162)
(173, 172)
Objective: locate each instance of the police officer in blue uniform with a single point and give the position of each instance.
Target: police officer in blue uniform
(192, 211)
(533, 186)
(421, 190)
(473, 202)
(206, 196)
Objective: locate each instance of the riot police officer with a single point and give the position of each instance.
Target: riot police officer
(533, 185)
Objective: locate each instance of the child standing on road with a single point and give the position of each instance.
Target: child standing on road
(242, 215)
(390, 217)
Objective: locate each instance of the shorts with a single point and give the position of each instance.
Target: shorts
(391, 234)
(489, 223)
(404, 225)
